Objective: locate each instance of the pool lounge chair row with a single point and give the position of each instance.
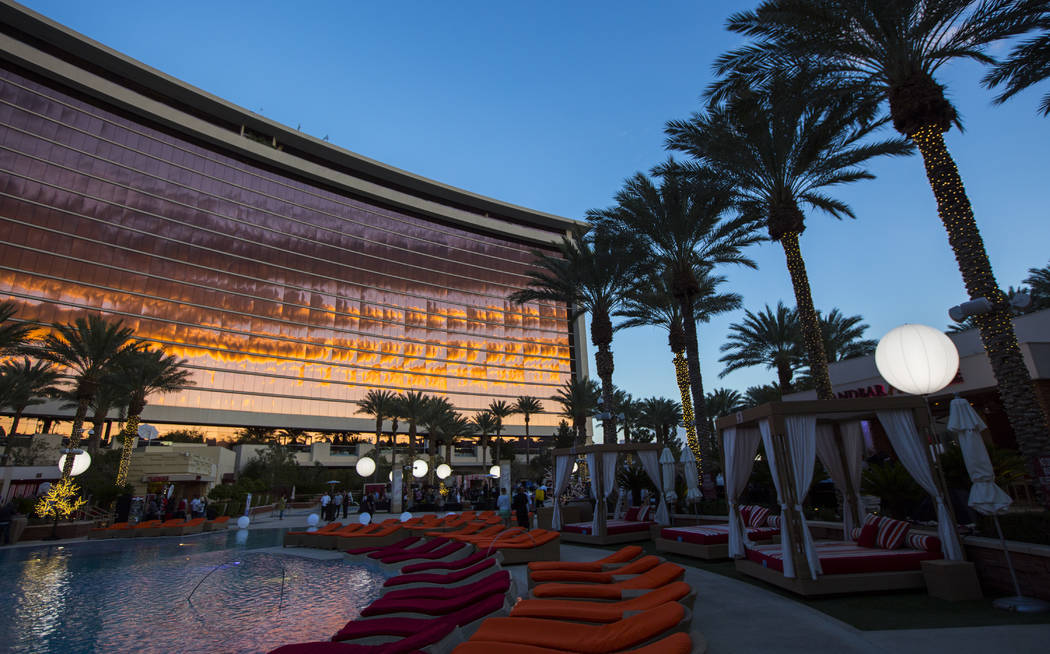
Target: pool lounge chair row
(175, 527)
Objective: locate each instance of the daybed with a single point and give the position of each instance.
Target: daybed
(711, 541)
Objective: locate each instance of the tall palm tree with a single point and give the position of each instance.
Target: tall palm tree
(439, 412)
(414, 407)
(724, 401)
(86, 348)
(683, 227)
(843, 336)
(893, 50)
(112, 394)
(768, 339)
(499, 410)
(527, 406)
(781, 145)
(381, 405)
(590, 274)
(663, 415)
(1027, 65)
(146, 372)
(651, 302)
(579, 400)
(12, 334)
(485, 423)
(455, 427)
(756, 395)
(25, 383)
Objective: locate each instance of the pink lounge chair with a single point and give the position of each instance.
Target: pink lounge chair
(457, 564)
(444, 592)
(458, 578)
(390, 549)
(449, 549)
(422, 548)
(410, 645)
(358, 629)
(456, 599)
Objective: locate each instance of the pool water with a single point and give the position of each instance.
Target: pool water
(214, 592)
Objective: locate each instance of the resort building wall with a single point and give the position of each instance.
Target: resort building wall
(292, 275)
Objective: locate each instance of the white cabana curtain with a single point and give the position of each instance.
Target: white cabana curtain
(739, 446)
(669, 496)
(853, 453)
(593, 465)
(608, 476)
(985, 495)
(908, 445)
(692, 479)
(651, 462)
(562, 466)
(802, 447)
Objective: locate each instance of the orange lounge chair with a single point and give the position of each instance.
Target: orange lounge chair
(218, 523)
(487, 535)
(661, 575)
(535, 545)
(299, 537)
(623, 555)
(676, 643)
(379, 535)
(147, 528)
(330, 539)
(636, 567)
(108, 532)
(582, 638)
(194, 526)
(587, 611)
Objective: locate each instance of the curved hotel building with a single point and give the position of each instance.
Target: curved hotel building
(292, 275)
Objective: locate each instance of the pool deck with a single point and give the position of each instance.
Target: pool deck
(737, 617)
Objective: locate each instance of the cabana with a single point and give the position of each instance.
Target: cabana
(601, 462)
(794, 434)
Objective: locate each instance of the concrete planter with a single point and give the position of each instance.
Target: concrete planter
(65, 530)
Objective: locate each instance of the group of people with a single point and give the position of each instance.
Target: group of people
(523, 501)
(334, 502)
(161, 507)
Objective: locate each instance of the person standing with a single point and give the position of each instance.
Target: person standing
(7, 514)
(503, 506)
(281, 503)
(347, 498)
(541, 496)
(337, 502)
(325, 501)
(521, 507)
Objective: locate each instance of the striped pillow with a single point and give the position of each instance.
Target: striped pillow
(854, 534)
(923, 542)
(773, 521)
(891, 533)
(745, 514)
(643, 513)
(757, 517)
(869, 531)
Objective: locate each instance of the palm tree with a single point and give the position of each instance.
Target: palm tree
(756, 395)
(843, 336)
(12, 334)
(527, 406)
(456, 426)
(256, 435)
(439, 412)
(413, 408)
(485, 423)
(579, 400)
(764, 339)
(663, 415)
(1038, 282)
(724, 401)
(651, 302)
(112, 394)
(1027, 65)
(892, 50)
(25, 383)
(146, 372)
(682, 225)
(590, 274)
(782, 144)
(499, 410)
(86, 348)
(381, 405)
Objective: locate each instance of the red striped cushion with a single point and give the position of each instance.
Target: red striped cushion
(923, 542)
(757, 517)
(869, 531)
(855, 534)
(632, 513)
(891, 533)
(643, 513)
(773, 521)
(745, 513)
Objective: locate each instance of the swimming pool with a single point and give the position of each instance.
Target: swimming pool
(195, 594)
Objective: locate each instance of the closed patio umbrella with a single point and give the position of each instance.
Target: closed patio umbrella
(667, 472)
(692, 480)
(985, 496)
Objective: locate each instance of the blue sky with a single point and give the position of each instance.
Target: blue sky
(551, 105)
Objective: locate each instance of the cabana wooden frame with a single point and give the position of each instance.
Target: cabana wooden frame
(834, 412)
(603, 537)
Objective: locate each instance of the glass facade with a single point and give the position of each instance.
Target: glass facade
(285, 297)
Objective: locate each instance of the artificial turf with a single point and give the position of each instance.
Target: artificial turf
(877, 611)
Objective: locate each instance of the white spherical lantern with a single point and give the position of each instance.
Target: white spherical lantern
(575, 466)
(313, 519)
(365, 466)
(81, 461)
(405, 517)
(917, 359)
(443, 471)
(419, 468)
(365, 518)
(243, 522)
(390, 476)
(494, 471)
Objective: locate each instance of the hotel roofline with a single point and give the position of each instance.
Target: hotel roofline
(72, 59)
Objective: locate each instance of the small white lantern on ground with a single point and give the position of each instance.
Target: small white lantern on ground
(365, 466)
(243, 522)
(311, 522)
(443, 471)
(917, 359)
(81, 461)
(494, 471)
(419, 468)
(365, 518)
(405, 517)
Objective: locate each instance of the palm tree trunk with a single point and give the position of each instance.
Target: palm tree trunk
(74, 435)
(696, 383)
(784, 375)
(601, 336)
(807, 316)
(527, 440)
(11, 435)
(1016, 391)
(379, 433)
(131, 428)
(681, 373)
